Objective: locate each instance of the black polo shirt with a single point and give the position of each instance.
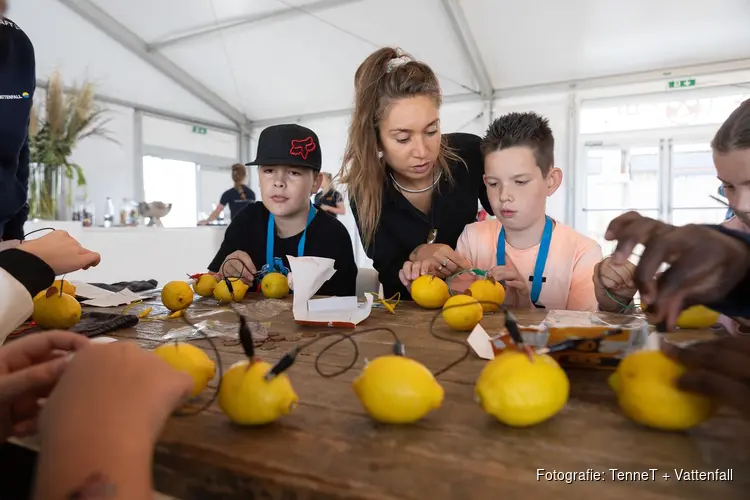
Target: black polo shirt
(233, 198)
(403, 227)
(326, 237)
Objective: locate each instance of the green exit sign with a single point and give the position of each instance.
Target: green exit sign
(681, 84)
(200, 130)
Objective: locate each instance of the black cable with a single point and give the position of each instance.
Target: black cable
(226, 278)
(207, 404)
(288, 359)
(38, 230)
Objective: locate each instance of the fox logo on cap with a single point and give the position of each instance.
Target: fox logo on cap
(302, 147)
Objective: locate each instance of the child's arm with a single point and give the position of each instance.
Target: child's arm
(582, 294)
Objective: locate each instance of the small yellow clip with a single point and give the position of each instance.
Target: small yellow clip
(145, 313)
(386, 302)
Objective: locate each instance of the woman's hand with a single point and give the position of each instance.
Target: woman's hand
(29, 369)
(719, 369)
(614, 285)
(61, 252)
(516, 286)
(238, 265)
(413, 270)
(443, 259)
(117, 387)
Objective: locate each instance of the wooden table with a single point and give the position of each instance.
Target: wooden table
(329, 448)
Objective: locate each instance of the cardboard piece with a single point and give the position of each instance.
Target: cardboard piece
(309, 275)
(99, 297)
(560, 325)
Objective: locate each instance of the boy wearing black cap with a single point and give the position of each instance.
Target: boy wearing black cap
(285, 222)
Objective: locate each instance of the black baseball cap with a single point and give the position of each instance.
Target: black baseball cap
(289, 144)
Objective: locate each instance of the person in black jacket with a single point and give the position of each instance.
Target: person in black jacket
(412, 190)
(17, 86)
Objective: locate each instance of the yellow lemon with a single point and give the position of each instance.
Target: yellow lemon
(205, 285)
(57, 311)
(397, 390)
(429, 292)
(646, 393)
(489, 293)
(462, 312)
(274, 286)
(191, 360)
(248, 399)
(697, 317)
(177, 295)
(520, 392)
(694, 317)
(239, 289)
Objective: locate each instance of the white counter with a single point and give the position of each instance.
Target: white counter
(141, 253)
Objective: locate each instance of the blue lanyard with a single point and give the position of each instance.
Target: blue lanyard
(272, 233)
(541, 258)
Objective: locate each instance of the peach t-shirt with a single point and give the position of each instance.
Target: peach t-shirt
(568, 274)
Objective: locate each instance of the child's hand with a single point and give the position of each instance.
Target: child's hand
(116, 386)
(413, 270)
(517, 293)
(29, 370)
(238, 265)
(617, 279)
(718, 369)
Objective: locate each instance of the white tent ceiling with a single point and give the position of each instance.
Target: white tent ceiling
(240, 61)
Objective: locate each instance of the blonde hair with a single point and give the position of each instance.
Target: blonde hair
(239, 173)
(386, 75)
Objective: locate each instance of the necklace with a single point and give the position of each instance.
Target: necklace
(402, 188)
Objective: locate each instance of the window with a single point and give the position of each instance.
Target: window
(693, 182)
(172, 181)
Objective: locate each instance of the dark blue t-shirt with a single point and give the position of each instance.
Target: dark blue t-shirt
(17, 86)
(237, 200)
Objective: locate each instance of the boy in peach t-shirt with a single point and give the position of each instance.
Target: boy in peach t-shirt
(533, 248)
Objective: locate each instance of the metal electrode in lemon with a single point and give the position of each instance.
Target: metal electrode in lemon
(247, 398)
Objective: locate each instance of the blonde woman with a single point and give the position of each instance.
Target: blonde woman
(237, 197)
(411, 189)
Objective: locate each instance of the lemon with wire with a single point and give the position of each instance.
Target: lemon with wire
(489, 293)
(397, 390)
(522, 392)
(644, 383)
(190, 359)
(224, 296)
(429, 291)
(462, 312)
(54, 310)
(247, 398)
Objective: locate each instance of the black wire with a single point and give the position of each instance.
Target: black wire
(244, 268)
(206, 405)
(343, 337)
(38, 230)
